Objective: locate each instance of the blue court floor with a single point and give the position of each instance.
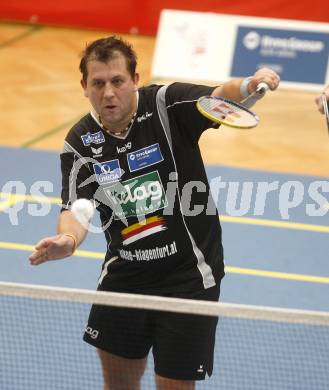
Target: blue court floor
(275, 235)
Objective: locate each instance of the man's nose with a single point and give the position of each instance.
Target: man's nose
(108, 91)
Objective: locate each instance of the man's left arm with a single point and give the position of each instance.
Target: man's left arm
(239, 89)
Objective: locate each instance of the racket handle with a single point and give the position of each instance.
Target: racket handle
(249, 101)
(262, 88)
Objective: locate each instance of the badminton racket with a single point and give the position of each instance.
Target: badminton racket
(229, 113)
(325, 109)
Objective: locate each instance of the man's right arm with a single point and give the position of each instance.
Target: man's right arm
(70, 235)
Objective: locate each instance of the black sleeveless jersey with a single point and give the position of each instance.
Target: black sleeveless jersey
(152, 193)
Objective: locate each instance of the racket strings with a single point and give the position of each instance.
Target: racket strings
(221, 108)
(227, 112)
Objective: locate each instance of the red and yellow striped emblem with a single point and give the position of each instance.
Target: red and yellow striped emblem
(142, 229)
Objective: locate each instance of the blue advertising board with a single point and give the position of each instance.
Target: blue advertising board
(297, 56)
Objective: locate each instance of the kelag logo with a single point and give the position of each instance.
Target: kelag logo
(297, 56)
(141, 195)
(93, 138)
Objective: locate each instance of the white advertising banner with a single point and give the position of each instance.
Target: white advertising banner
(210, 47)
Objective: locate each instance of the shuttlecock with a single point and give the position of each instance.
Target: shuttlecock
(83, 211)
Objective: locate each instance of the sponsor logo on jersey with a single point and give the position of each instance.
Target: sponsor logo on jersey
(139, 196)
(144, 157)
(124, 148)
(93, 138)
(93, 333)
(156, 253)
(97, 152)
(107, 172)
(200, 369)
(144, 116)
(142, 229)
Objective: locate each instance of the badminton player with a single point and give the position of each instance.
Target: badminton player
(136, 154)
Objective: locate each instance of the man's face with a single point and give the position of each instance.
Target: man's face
(111, 91)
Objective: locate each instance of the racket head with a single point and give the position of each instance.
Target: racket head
(325, 109)
(226, 112)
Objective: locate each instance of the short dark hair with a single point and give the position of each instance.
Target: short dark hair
(104, 49)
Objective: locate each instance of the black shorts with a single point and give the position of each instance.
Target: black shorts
(183, 344)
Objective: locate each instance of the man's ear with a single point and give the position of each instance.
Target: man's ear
(136, 81)
(84, 86)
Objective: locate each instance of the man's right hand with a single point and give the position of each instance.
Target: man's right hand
(53, 248)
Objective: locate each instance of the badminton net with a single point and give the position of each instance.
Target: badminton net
(257, 348)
